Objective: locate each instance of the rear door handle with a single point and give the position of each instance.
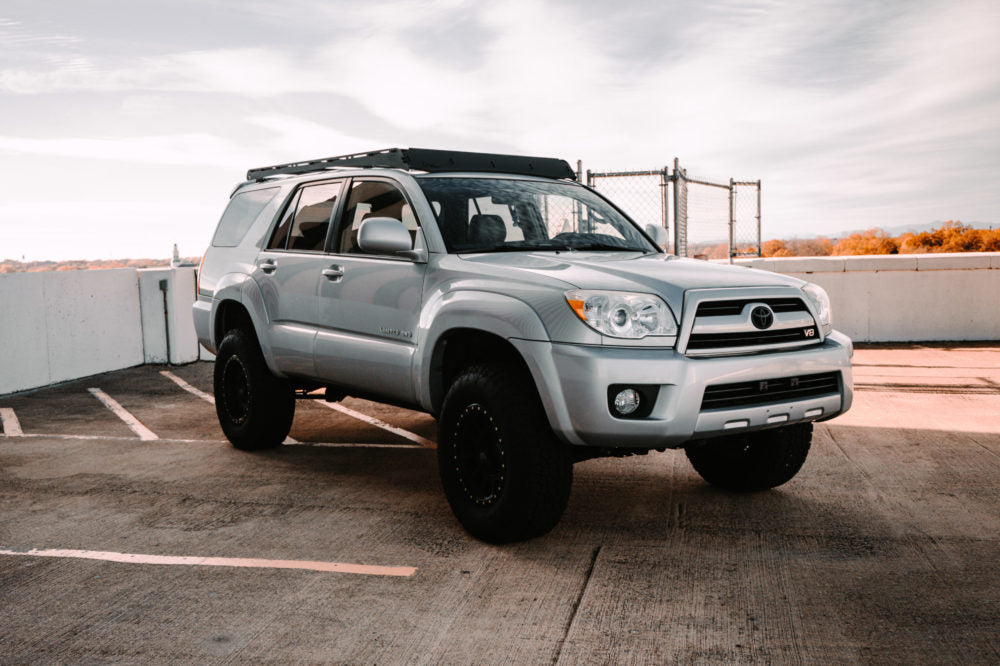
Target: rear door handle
(333, 273)
(268, 265)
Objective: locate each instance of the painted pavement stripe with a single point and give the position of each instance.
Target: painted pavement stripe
(245, 562)
(111, 438)
(133, 423)
(207, 397)
(11, 426)
(379, 423)
(187, 387)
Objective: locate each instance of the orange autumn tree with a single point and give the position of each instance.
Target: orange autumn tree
(873, 241)
(798, 247)
(951, 237)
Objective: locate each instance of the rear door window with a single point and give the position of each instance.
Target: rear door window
(307, 219)
(313, 215)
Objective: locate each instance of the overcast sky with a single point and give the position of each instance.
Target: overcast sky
(125, 125)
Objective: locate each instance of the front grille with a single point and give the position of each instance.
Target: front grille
(784, 389)
(735, 307)
(752, 338)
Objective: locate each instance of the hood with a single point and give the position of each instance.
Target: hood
(666, 275)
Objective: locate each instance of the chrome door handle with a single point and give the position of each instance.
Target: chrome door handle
(268, 266)
(333, 273)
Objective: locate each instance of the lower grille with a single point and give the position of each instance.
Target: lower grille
(784, 389)
(752, 338)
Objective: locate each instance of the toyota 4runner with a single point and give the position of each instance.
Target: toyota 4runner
(533, 318)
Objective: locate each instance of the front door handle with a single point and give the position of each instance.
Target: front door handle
(333, 273)
(268, 265)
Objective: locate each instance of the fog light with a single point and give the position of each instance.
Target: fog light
(627, 401)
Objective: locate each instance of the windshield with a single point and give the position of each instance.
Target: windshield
(507, 215)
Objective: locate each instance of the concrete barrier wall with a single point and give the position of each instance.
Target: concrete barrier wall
(168, 312)
(62, 325)
(57, 326)
(902, 298)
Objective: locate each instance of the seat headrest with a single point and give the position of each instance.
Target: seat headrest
(487, 229)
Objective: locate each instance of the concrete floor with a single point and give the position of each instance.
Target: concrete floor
(885, 548)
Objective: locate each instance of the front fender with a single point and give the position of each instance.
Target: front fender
(498, 314)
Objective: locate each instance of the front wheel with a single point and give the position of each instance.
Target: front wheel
(255, 408)
(753, 461)
(506, 476)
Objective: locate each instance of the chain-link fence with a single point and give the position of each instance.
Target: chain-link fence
(746, 218)
(706, 220)
(641, 194)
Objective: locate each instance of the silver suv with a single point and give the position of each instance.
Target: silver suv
(537, 322)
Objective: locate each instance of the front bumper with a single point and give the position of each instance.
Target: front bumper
(573, 383)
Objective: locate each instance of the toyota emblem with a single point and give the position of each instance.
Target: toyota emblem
(762, 317)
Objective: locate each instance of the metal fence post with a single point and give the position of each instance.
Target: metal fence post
(732, 221)
(760, 252)
(677, 199)
(665, 215)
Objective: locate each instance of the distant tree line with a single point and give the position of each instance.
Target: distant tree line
(949, 237)
(13, 266)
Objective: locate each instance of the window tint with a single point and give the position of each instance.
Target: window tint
(373, 199)
(280, 236)
(497, 214)
(242, 211)
(313, 213)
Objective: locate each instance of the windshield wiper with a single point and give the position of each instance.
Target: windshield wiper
(607, 246)
(520, 246)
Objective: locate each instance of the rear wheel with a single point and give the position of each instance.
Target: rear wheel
(754, 461)
(506, 476)
(255, 408)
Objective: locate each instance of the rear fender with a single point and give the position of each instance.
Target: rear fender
(244, 290)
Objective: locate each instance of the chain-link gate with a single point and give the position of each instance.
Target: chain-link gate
(709, 220)
(745, 216)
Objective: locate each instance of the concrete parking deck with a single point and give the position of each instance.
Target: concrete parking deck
(130, 531)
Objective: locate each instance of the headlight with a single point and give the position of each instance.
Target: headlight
(821, 305)
(623, 314)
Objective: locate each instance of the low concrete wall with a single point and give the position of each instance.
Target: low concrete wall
(62, 325)
(58, 326)
(173, 306)
(902, 298)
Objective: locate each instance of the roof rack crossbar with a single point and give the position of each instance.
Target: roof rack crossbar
(425, 159)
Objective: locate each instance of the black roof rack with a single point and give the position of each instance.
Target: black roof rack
(424, 159)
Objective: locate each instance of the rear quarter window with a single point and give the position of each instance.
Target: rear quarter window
(242, 211)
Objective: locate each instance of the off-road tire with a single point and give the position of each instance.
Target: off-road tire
(506, 476)
(255, 408)
(754, 461)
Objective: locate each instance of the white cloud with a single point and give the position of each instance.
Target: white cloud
(843, 109)
(180, 150)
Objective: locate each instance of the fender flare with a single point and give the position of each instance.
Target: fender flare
(497, 314)
(243, 289)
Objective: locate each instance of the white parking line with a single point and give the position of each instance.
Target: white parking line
(187, 387)
(207, 397)
(133, 423)
(11, 426)
(112, 438)
(255, 563)
(379, 423)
